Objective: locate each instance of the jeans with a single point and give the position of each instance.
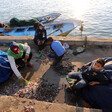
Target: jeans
(57, 58)
(20, 61)
(53, 55)
(80, 81)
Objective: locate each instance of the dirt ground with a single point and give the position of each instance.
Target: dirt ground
(50, 81)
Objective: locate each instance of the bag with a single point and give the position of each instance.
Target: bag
(5, 70)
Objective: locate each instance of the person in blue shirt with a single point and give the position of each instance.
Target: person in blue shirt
(58, 50)
(40, 36)
(92, 73)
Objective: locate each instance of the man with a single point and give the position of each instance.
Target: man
(40, 36)
(19, 54)
(57, 50)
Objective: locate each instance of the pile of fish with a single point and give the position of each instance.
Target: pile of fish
(18, 89)
(29, 90)
(37, 90)
(43, 91)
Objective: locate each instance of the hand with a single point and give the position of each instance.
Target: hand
(84, 65)
(22, 80)
(29, 64)
(43, 42)
(82, 68)
(93, 83)
(26, 57)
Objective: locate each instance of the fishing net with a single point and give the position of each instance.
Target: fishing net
(15, 22)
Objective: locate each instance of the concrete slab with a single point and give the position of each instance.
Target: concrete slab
(20, 105)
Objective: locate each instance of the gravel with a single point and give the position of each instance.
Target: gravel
(63, 67)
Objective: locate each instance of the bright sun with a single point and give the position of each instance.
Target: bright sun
(79, 7)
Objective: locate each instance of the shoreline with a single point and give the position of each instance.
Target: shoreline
(70, 40)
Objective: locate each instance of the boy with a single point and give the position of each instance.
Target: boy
(92, 73)
(40, 36)
(57, 50)
(17, 54)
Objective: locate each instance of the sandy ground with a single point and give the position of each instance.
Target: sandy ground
(27, 105)
(54, 82)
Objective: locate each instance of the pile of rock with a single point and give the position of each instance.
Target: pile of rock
(46, 92)
(63, 67)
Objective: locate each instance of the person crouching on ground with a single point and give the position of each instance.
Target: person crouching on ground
(19, 54)
(92, 73)
(40, 36)
(57, 50)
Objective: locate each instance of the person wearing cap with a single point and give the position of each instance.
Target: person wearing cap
(36, 25)
(19, 54)
(58, 50)
(40, 36)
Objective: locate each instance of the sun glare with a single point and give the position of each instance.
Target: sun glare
(79, 7)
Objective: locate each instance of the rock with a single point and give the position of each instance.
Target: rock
(29, 109)
(63, 67)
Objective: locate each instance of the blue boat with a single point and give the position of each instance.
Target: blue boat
(59, 28)
(15, 22)
(48, 18)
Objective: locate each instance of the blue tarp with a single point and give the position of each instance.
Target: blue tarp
(100, 96)
(5, 70)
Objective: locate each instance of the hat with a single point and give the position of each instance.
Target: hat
(14, 47)
(13, 44)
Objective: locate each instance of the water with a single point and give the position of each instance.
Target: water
(96, 14)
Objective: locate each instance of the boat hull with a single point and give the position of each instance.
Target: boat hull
(63, 30)
(53, 29)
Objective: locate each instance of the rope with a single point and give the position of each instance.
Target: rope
(6, 62)
(4, 67)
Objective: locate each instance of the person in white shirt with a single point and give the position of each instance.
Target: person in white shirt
(19, 54)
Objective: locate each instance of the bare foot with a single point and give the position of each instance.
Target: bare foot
(69, 89)
(29, 64)
(87, 105)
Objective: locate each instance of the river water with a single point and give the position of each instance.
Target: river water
(95, 14)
